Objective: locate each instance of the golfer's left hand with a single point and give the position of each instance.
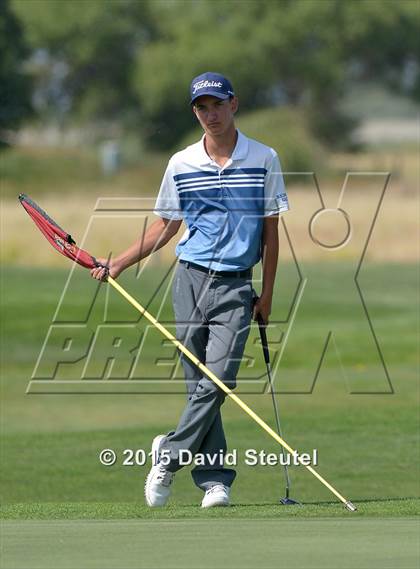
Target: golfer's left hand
(263, 307)
(100, 273)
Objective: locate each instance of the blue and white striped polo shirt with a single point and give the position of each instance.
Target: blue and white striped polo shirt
(223, 208)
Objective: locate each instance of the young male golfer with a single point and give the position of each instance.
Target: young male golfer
(228, 190)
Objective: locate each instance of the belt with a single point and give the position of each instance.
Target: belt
(246, 274)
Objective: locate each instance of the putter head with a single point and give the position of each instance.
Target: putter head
(289, 502)
(351, 507)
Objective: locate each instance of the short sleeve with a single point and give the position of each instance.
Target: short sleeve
(167, 203)
(275, 196)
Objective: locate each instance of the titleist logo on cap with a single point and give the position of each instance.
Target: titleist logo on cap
(212, 84)
(202, 84)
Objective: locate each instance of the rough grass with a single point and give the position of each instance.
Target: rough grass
(45, 171)
(102, 232)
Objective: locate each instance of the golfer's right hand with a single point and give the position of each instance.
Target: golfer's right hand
(100, 273)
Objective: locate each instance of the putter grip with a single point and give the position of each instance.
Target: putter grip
(263, 336)
(261, 326)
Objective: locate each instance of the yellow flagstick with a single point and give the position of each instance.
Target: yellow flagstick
(228, 391)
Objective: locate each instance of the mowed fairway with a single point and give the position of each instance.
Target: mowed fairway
(62, 508)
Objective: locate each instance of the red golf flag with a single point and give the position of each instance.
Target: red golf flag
(59, 239)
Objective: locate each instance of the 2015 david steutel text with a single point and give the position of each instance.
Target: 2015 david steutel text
(249, 457)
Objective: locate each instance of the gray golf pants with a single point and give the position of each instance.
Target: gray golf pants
(213, 317)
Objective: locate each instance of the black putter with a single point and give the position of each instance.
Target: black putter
(286, 501)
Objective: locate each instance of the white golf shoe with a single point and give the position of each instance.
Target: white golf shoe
(156, 444)
(217, 495)
(158, 482)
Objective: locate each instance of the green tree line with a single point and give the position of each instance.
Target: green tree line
(131, 61)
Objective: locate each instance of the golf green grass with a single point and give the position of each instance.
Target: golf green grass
(60, 502)
(335, 544)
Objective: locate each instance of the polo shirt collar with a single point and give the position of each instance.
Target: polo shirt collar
(240, 151)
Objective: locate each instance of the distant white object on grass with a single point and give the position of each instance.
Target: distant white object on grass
(110, 157)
